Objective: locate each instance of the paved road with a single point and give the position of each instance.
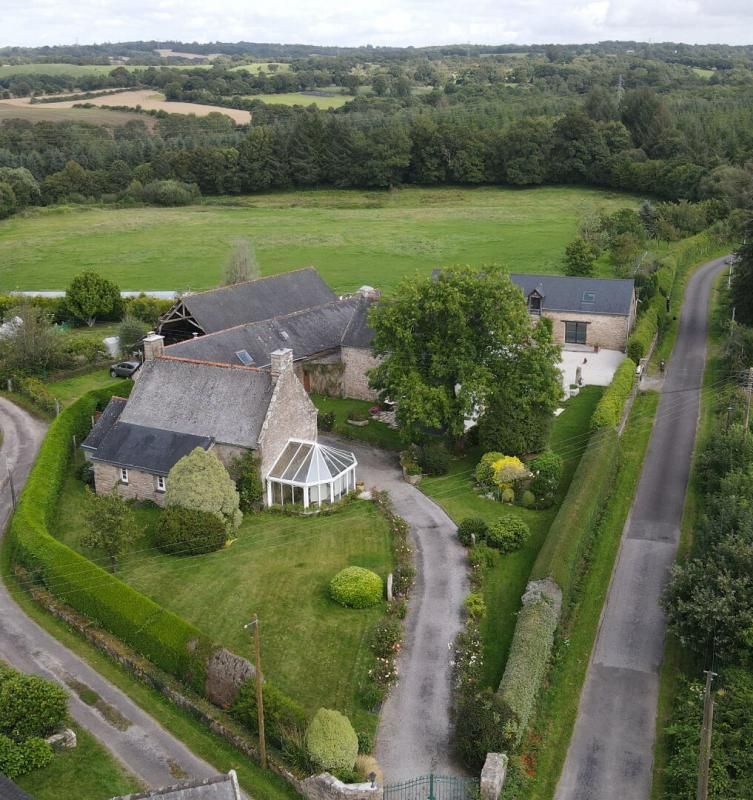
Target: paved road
(415, 734)
(150, 752)
(611, 752)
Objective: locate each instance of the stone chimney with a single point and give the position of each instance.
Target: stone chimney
(369, 292)
(154, 345)
(281, 360)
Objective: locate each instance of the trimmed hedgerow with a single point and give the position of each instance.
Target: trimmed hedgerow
(608, 412)
(189, 532)
(526, 665)
(331, 742)
(576, 519)
(646, 328)
(161, 636)
(356, 587)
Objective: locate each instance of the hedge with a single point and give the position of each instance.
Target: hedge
(526, 665)
(608, 412)
(161, 636)
(331, 742)
(646, 328)
(571, 529)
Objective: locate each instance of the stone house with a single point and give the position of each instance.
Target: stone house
(590, 312)
(331, 342)
(178, 404)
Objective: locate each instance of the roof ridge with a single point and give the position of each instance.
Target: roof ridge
(201, 362)
(362, 300)
(244, 283)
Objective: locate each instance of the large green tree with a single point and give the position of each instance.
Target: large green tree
(742, 279)
(90, 296)
(111, 524)
(447, 343)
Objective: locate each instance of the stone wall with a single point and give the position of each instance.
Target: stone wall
(226, 673)
(609, 331)
(355, 380)
(140, 486)
(291, 415)
(493, 776)
(327, 787)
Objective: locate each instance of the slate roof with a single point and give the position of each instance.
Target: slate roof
(105, 422)
(222, 787)
(264, 298)
(306, 333)
(226, 403)
(149, 449)
(562, 293)
(9, 790)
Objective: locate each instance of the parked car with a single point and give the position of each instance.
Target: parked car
(124, 369)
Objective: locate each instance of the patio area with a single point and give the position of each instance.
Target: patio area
(597, 369)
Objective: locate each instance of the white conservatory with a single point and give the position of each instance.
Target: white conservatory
(311, 473)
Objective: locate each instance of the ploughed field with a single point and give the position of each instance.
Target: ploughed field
(352, 237)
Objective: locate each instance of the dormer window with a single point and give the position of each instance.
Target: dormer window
(534, 303)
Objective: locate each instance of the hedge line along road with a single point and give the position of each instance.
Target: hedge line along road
(611, 751)
(147, 750)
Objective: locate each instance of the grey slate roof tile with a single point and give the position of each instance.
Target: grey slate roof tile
(564, 293)
(223, 787)
(105, 422)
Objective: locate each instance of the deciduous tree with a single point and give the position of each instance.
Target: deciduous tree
(90, 296)
(111, 524)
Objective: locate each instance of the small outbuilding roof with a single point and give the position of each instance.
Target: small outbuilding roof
(149, 449)
(104, 424)
(310, 463)
(586, 295)
(225, 403)
(263, 298)
(222, 787)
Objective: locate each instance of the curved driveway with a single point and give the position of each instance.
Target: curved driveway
(415, 733)
(150, 752)
(611, 751)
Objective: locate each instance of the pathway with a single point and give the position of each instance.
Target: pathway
(415, 732)
(150, 752)
(611, 751)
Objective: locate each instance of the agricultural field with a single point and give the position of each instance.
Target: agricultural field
(7, 70)
(279, 567)
(302, 99)
(146, 98)
(42, 112)
(353, 237)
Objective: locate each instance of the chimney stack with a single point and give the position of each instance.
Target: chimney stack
(154, 346)
(281, 360)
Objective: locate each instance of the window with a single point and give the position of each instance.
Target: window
(245, 358)
(589, 297)
(123, 475)
(576, 332)
(534, 304)
(161, 485)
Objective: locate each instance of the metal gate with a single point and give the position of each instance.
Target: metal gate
(434, 787)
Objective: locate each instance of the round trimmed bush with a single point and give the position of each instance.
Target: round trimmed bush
(331, 742)
(472, 526)
(356, 587)
(507, 495)
(31, 706)
(189, 532)
(507, 534)
(528, 499)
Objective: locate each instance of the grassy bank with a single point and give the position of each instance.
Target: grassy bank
(352, 237)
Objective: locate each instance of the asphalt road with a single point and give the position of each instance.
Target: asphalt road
(611, 751)
(415, 732)
(149, 752)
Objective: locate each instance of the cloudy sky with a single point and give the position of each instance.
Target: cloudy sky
(378, 22)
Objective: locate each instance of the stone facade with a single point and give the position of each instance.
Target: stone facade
(291, 415)
(609, 331)
(493, 776)
(140, 486)
(327, 787)
(357, 362)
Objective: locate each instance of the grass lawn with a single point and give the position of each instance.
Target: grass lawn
(504, 583)
(376, 433)
(69, 389)
(302, 99)
(88, 772)
(352, 237)
(280, 568)
(546, 746)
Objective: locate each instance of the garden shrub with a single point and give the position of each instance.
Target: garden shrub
(356, 587)
(485, 473)
(526, 665)
(608, 412)
(31, 706)
(285, 720)
(409, 462)
(433, 458)
(358, 414)
(331, 742)
(245, 472)
(387, 636)
(84, 350)
(37, 392)
(472, 527)
(646, 328)
(325, 420)
(507, 534)
(19, 758)
(546, 469)
(479, 727)
(168, 641)
(507, 495)
(528, 499)
(189, 532)
(475, 606)
(365, 742)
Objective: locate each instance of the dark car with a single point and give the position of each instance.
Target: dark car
(124, 369)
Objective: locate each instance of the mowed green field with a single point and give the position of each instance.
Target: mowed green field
(7, 70)
(302, 99)
(351, 237)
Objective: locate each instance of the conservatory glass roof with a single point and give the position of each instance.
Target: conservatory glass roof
(310, 463)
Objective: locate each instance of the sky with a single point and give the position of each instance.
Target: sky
(376, 22)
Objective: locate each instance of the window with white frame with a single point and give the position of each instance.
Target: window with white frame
(123, 475)
(161, 483)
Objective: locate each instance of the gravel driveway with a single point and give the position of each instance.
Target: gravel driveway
(415, 734)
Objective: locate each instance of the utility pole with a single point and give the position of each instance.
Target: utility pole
(705, 755)
(259, 694)
(10, 483)
(749, 390)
